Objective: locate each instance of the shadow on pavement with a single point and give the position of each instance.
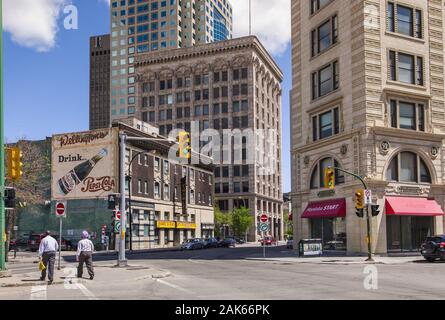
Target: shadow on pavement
(238, 253)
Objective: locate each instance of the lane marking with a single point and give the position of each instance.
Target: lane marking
(39, 293)
(86, 292)
(174, 286)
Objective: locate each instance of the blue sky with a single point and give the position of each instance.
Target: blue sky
(47, 92)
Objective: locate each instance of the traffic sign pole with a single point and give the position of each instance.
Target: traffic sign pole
(60, 240)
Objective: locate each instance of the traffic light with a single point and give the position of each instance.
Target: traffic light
(329, 178)
(112, 202)
(10, 201)
(360, 213)
(185, 147)
(14, 164)
(360, 199)
(375, 210)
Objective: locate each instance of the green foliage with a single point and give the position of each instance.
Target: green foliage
(241, 221)
(288, 224)
(221, 219)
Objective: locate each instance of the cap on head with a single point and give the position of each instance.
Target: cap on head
(47, 233)
(85, 235)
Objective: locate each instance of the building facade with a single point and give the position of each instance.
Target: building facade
(226, 86)
(85, 171)
(139, 27)
(368, 97)
(100, 81)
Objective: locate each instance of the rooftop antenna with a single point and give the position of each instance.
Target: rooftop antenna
(250, 17)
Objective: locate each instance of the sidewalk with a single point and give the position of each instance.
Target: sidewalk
(104, 272)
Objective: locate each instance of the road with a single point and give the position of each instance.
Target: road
(222, 274)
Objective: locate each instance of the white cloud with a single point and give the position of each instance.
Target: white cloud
(271, 22)
(32, 23)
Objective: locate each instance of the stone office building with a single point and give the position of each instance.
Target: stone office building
(368, 96)
(227, 85)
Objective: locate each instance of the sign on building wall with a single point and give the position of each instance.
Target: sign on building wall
(84, 164)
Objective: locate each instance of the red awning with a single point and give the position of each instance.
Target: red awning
(334, 208)
(412, 207)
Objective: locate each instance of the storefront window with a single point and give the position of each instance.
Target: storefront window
(332, 231)
(407, 233)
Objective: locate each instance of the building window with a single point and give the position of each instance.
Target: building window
(317, 5)
(406, 115)
(406, 68)
(157, 191)
(404, 20)
(317, 177)
(324, 36)
(325, 80)
(166, 192)
(408, 167)
(325, 125)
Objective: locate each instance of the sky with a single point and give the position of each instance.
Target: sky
(46, 62)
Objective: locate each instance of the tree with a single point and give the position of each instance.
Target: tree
(288, 223)
(241, 221)
(34, 188)
(222, 220)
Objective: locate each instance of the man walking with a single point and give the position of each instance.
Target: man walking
(84, 254)
(47, 252)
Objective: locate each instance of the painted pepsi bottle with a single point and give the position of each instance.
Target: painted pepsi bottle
(80, 172)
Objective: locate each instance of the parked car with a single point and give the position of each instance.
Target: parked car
(192, 244)
(290, 243)
(240, 240)
(229, 243)
(18, 244)
(67, 245)
(34, 242)
(434, 248)
(210, 243)
(268, 240)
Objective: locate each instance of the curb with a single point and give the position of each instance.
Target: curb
(29, 284)
(329, 263)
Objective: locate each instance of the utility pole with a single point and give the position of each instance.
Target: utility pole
(2, 153)
(122, 261)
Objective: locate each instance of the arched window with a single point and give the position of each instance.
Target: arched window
(317, 177)
(408, 167)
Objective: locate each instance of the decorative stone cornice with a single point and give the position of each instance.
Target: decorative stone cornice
(408, 134)
(208, 50)
(323, 143)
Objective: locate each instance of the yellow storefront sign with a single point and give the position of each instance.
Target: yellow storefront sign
(165, 224)
(185, 225)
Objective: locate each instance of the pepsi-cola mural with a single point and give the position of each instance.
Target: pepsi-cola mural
(84, 164)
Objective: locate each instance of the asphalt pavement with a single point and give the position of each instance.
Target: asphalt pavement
(241, 274)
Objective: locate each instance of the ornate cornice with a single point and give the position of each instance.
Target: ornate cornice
(209, 50)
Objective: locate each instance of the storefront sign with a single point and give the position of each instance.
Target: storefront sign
(84, 165)
(185, 225)
(334, 208)
(165, 224)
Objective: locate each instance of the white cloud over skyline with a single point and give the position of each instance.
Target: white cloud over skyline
(32, 23)
(271, 22)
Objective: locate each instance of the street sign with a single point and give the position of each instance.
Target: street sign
(118, 215)
(117, 226)
(264, 218)
(61, 209)
(368, 197)
(264, 227)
